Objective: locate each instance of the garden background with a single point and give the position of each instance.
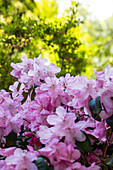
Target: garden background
(72, 41)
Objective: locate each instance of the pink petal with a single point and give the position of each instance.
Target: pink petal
(53, 119)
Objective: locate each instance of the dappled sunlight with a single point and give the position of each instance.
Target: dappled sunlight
(69, 39)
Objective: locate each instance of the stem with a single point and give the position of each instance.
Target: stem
(108, 140)
(84, 158)
(101, 159)
(98, 157)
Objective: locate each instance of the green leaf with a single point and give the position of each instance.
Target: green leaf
(41, 164)
(36, 85)
(95, 108)
(104, 167)
(84, 146)
(110, 122)
(33, 95)
(62, 139)
(110, 163)
(11, 139)
(95, 105)
(96, 117)
(108, 133)
(93, 138)
(18, 87)
(25, 95)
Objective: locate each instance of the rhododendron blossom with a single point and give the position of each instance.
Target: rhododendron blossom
(63, 123)
(19, 160)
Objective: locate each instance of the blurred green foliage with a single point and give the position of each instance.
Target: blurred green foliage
(30, 28)
(98, 39)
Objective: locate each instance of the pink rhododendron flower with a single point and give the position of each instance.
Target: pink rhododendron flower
(67, 153)
(35, 141)
(65, 125)
(21, 160)
(10, 119)
(51, 85)
(30, 148)
(59, 151)
(46, 134)
(93, 167)
(28, 134)
(92, 158)
(100, 131)
(76, 166)
(61, 116)
(30, 71)
(82, 91)
(7, 151)
(50, 150)
(107, 100)
(14, 90)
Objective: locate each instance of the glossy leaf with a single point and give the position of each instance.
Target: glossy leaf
(110, 163)
(84, 146)
(11, 139)
(110, 122)
(95, 105)
(41, 164)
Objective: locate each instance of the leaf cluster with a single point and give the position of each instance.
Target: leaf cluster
(33, 35)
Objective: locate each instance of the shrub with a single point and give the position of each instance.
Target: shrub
(56, 123)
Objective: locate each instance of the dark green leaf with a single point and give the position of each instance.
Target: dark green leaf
(93, 138)
(35, 86)
(33, 94)
(95, 108)
(84, 146)
(98, 104)
(108, 133)
(62, 139)
(95, 105)
(41, 164)
(110, 163)
(25, 95)
(11, 139)
(96, 117)
(18, 87)
(110, 122)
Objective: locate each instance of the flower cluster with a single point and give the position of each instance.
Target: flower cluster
(17, 159)
(10, 119)
(31, 71)
(56, 123)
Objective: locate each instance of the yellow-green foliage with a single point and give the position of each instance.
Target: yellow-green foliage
(30, 28)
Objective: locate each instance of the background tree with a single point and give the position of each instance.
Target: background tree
(46, 9)
(98, 39)
(28, 28)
